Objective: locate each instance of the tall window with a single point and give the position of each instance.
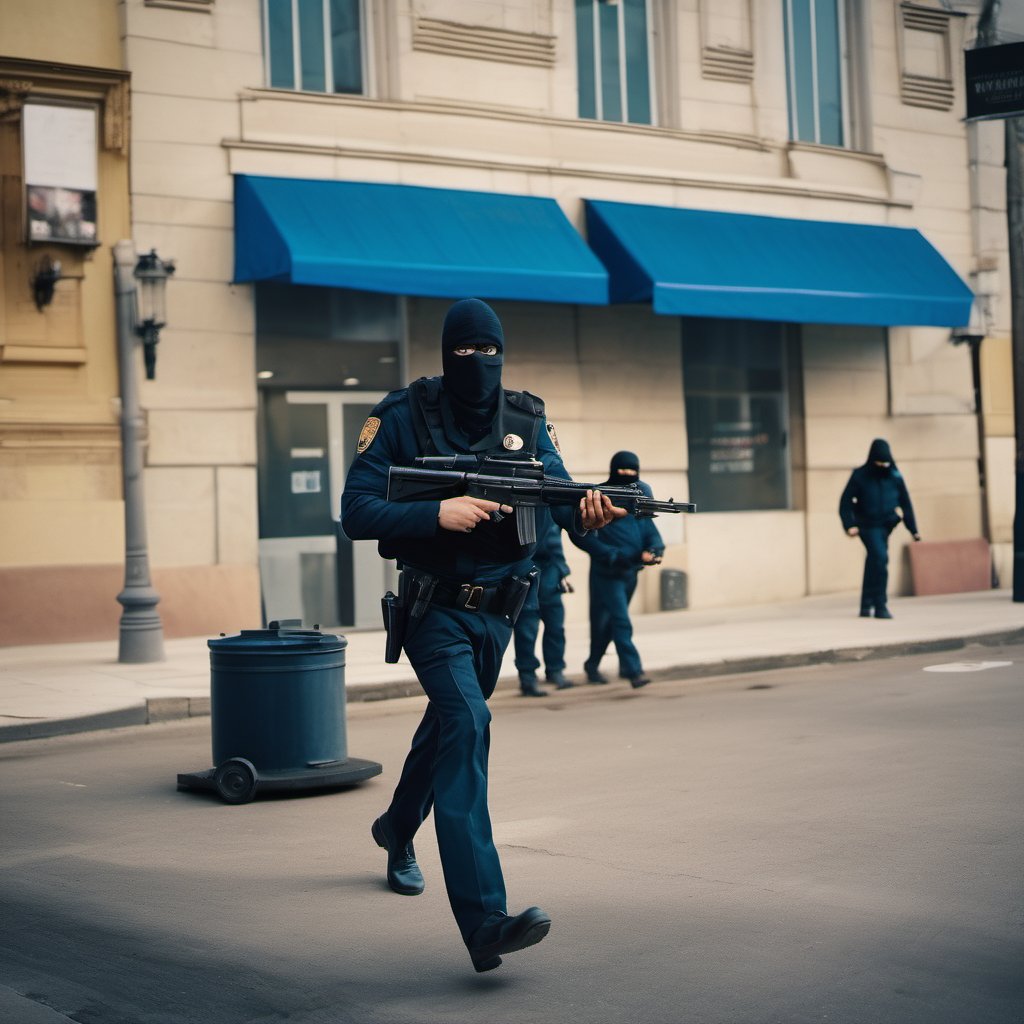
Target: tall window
(814, 70)
(314, 45)
(734, 380)
(613, 62)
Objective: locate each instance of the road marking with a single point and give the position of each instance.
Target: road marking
(967, 666)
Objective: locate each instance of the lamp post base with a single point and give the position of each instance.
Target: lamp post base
(141, 634)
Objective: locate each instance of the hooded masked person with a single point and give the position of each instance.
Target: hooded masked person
(462, 580)
(868, 509)
(616, 557)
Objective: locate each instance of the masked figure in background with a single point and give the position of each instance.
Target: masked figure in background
(463, 579)
(867, 509)
(544, 604)
(616, 557)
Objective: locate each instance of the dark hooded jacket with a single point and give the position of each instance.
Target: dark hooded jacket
(617, 550)
(874, 493)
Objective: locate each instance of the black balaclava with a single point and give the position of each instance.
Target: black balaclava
(472, 383)
(620, 461)
(880, 452)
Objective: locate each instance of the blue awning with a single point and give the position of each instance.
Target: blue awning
(702, 263)
(407, 240)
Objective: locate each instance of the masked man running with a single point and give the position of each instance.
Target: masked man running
(470, 571)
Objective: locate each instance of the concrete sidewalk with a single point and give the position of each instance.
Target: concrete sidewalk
(62, 688)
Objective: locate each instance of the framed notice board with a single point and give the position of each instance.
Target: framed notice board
(59, 145)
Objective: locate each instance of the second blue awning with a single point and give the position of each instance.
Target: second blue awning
(705, 263)
(409, 240)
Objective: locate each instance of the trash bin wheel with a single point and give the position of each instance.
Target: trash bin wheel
(235, 780)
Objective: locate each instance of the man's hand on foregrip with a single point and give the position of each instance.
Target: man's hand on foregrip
(596, 510)
(464, 514)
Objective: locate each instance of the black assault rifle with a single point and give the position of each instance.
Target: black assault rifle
(520, 483)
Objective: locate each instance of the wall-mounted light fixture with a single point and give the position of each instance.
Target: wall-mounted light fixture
(44, 280)
(151, 272)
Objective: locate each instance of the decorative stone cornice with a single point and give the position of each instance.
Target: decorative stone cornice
(12, 97)
(105, 86)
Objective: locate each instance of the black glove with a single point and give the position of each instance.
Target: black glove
(565, 587)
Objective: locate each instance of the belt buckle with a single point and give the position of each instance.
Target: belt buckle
(471, 597)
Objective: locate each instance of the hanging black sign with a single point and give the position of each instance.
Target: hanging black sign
(995, 81)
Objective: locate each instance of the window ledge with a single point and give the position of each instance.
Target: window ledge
(42, 354)
(506, 113)
(835, 166)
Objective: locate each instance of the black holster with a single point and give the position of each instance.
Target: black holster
(394, 626)
(405, 607)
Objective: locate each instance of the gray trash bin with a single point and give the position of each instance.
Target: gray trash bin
(277, 714)
(673, 590)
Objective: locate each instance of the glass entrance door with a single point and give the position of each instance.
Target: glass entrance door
(309, 569)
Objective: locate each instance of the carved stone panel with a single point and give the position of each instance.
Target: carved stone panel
(482, 42)
(926, 59)
(726, 53)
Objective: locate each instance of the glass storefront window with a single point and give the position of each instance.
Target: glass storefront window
(734, 380)
(322, 338)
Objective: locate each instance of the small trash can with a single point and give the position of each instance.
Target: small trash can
(277, 713)
(673, 590)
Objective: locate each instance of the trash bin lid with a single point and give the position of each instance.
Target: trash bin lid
(284, 636)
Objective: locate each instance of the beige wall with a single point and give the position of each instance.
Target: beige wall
(611, 377)
(60, 479)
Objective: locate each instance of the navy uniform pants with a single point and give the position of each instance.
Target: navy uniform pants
(457, 656)
(609, 621)
(543, 604)
(876, 566)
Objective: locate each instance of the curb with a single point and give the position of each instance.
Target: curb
(171, 709)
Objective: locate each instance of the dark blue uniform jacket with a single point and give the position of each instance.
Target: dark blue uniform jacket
(617, 549)
(871, 500)
(409, 532)
(549, 547)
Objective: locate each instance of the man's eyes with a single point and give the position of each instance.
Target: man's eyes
(486, 350)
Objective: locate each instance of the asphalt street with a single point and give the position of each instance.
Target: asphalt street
(837, 843)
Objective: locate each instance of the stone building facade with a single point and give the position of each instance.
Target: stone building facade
(733, 107)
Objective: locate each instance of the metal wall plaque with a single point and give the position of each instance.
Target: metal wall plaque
(995, 81)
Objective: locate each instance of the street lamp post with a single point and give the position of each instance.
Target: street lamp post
(140, 636)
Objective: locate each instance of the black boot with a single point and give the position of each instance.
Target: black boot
(503, 934)
(558, 678)
(404, 875)
(528, 685)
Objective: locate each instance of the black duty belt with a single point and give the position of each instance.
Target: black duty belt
(504, 598)
(471, 597)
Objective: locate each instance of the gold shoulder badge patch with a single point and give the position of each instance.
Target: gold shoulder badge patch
(554, 437)
(367, 434)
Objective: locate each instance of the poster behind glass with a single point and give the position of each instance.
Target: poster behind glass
(59, 146)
